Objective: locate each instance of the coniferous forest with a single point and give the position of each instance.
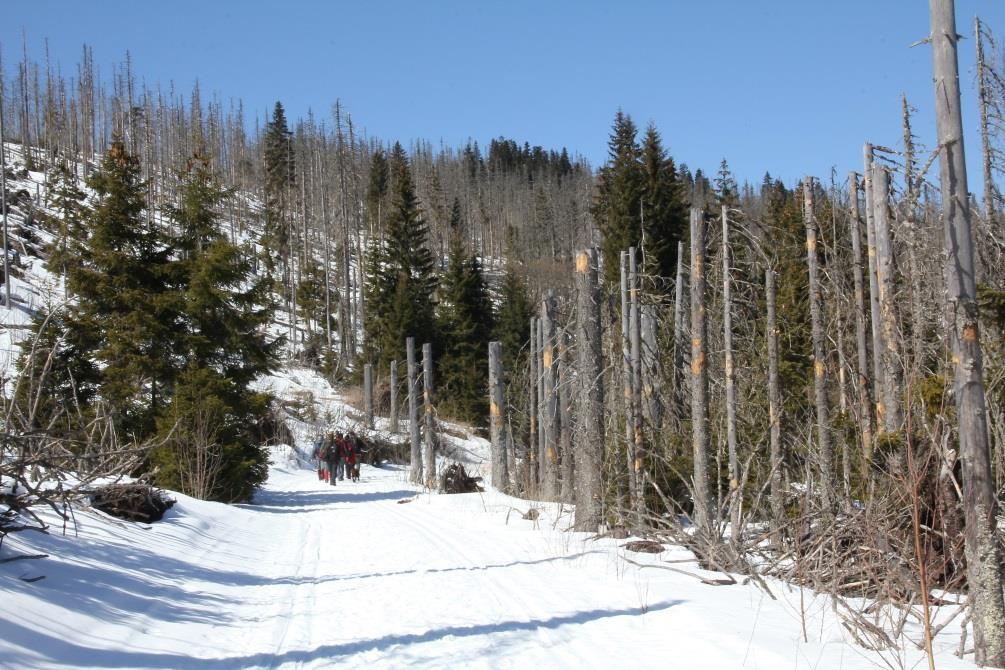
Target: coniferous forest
(797, 380)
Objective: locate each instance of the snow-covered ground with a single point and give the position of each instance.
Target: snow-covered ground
(379, 574)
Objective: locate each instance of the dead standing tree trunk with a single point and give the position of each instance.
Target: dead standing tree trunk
(368, 394)
(590, 438)
(549, 399)
(983, 98)
(864, 391)
(774, 404)
(727, 331)
(413, 413)
(704, 513)
(497, 419)
(825, 449)
(870, 236)
(891, 409)
(678, 338)
(530, 467)
(394, 397)
(984, 574)
(635, 326)
(626, 382)
(429, 455)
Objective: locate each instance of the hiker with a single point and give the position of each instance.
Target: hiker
(331, 458)
(352, 457)
(340, 448)
(317, 456)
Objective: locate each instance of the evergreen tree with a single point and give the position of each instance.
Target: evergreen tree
(664, 211)
(67, 225)
(620, 186)
(279, 175)
(124, 303)
(376, 191)
(221, 346)
(512, 324)
(401, 282)
(465, 325)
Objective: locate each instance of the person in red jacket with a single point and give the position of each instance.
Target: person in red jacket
(351, 457)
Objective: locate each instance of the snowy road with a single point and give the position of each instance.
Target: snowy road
(375, 574)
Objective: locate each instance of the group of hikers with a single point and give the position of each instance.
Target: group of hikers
(337, 457)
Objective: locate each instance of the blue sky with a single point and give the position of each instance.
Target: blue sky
(789, 86)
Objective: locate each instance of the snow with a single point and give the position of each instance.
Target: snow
(381, 574)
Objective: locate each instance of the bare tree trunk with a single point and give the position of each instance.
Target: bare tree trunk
(3, 195)
(532, 411)
(626, 383)
(497, 419)
(413, 413)
(984, 574)
(704, 514)
(983, 102)
(368, 394)
(870, 236)
(891, 411)
(864, 391)
(635, 325)
(429, 454)
(549, 399)
(678, 336)
(727, 331)
(652, 373)
(566, 457)
(824, 447)
(394, 397)
(774, 403)
(590, 439)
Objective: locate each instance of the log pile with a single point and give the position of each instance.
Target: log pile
(132, 502)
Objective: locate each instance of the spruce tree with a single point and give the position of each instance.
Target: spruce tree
(279, 173)
(465, 326)
(124, 302)
(664, 210)
(620, 186)
(67, 224)
(221, 347)
(401, 283)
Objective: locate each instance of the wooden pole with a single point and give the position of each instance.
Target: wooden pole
(864, 390)
(497, 418)
(394, 397)
(429, 455)
(984, 574)
(704, 514)
(590, 438)
(820, 381)
(413, 412)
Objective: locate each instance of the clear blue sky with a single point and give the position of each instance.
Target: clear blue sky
(790, 86)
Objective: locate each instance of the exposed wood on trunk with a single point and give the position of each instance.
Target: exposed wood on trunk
(893, 374)
(590, 405)
(549, 398)
(984, 574)
(652, 371)
(704, 514)
(877, 333)
(532, 411)
(825, 449)
(497, 418)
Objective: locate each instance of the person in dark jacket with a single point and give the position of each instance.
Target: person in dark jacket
(331, 457)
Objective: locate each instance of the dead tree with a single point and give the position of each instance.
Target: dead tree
(394, 397)
(566, 457)
(549, 399)
(825, 449)
(870, 236)
(368, 394)
(774, 402)
(429, 455)
(727, 332)
(678, 336)
(627, 387)
(983, 98)
(497, 418)
(635, 326)
(864, 391)
(413, 413)
(590, 405)
(984, 574)
(704, 512)
(891, 412)
(532, 410)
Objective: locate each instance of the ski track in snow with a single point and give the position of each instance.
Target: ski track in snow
(315, 576)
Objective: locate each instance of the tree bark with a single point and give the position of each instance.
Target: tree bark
(550, 417)
(531, 480)
(590, 438)
(865, 418)
(678, 337)
(891, 410)
(626, 382)
(413, 413)
(394, 397)
(875, 321)
(727, 332)
(984, 574)
(825, 449)
(704, 514)
(774, 404)
(497, 418)
(635, 325)
(429, 455)
(983, 103)
(368, 394)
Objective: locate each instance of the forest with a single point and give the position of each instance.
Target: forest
(804, 381)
